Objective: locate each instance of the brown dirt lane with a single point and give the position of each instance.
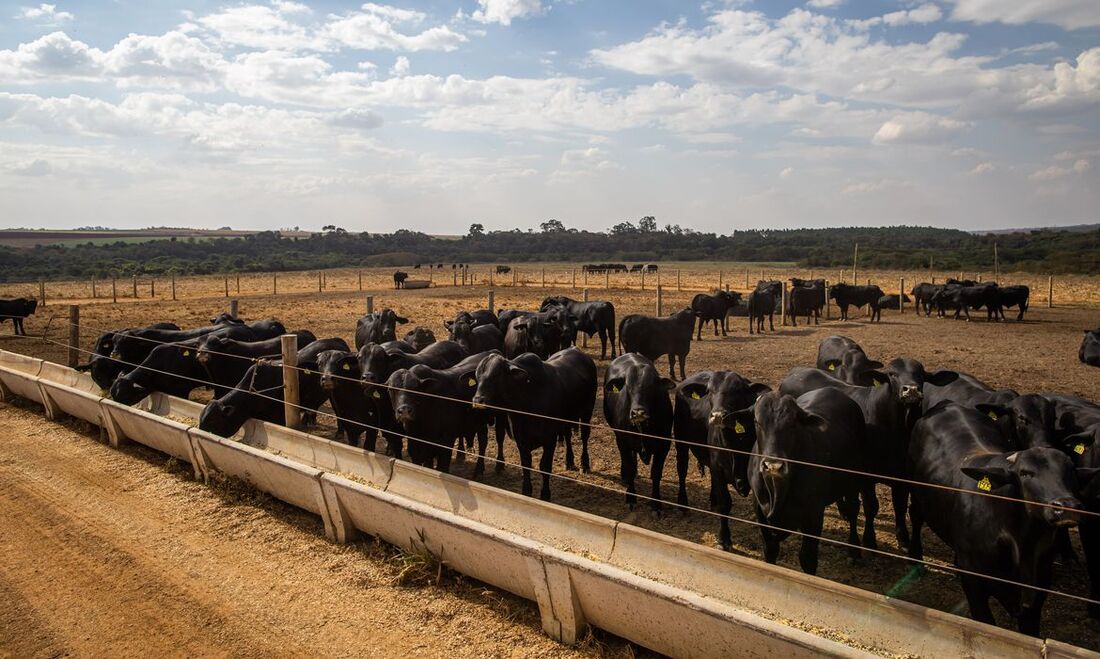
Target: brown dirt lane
(108, 552)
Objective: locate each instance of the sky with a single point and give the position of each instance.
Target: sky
(432, 115)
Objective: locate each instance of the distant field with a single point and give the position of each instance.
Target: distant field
(28, 239)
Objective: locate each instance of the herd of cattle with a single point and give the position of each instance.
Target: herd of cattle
(825, 435)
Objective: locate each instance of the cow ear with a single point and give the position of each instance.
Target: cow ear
(942, 378)
(758, 389)
(1079, 443)
(743, 421)
(400, 320)
(872, 364)
(448, 323)
(614, 385)
(666, 384)
(228, 410)
(994, 412)
(519, 327)
(988, 477)
(519, 375)
(831, 365)
(873, 378)
(813, 421)
(694, 391)
(468, 379)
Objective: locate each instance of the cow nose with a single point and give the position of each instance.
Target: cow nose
(203, 357)
(403, 412)
(716, 418)
(327, 383)
(772, 467)
(478, 402)
(1066, 511)
(638, 414)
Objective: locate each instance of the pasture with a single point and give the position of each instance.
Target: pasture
(1037, 355)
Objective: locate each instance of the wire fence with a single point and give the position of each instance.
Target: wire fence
(931, 564)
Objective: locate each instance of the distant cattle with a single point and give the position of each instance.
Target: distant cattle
(476, 339)
(1090, 348)
(653, 337)
(399, 279)
(922, 295)
(17, 311)
(848, 295)
(562, 387)
(762, 302)
(1013, 296)
(377, 327)
(964, 298)
(893, 301)
(503, 269)
(806, 298)
(601, 268)
(714, 308)
(594, 317)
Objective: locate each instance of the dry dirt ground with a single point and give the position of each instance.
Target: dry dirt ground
(1039, 354)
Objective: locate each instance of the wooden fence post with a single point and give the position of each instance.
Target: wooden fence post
(678, 279)
(93, 288)
(370, 304)
(114, 290)
(320, 283)
(544, 277)
(238, 284)
(227, 285)
(42, 291)
(642, 273)
(719, 279)
(291, 412)
(659, 311)
(152, 287)
(173, 287)
(584, 337)
(360, 281)
(492, 301)
(574, 287)
(74, 335)
(1050, 292)
(515, 272)
(234, 306)
(274, 283)
(607, 279)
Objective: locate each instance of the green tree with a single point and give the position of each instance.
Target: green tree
(477, 229)
(552, 226)
(647, 224)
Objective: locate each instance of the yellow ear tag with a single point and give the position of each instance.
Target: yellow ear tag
(877, 383)
(738, 428)
(695, 395)
(984, 485)
(471, 382)
(614, 389)
(992, 415)
(1079, 449)
(376, 395)
(346, 367)
(832, 367)
(186, 353)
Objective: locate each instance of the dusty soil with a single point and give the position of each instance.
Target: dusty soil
(1039, 354)
(120, 553)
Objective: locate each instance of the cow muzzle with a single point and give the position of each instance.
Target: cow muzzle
(638, 417)
(911, 393)
(773, 467)
(1066, 514)
(478, 403)
(717, 419)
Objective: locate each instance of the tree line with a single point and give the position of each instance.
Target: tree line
(643, 241)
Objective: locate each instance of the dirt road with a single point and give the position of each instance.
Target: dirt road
(109, 553)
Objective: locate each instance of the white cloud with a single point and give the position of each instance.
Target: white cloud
(786, 172)
(53, 56)
(44, 13)
(825, 4)
(918, 128)
(925, 13)
(982, 168)
(506, 11)
(1054, 172)
(1069, 14)
(260, 26)
(376, 28)
(36, 167)
(400, 66)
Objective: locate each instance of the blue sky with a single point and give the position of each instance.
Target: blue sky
(719, 115)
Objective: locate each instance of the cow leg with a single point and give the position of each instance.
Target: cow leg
(1027, 618)
(628, 469)
(602, 333)
(525, 464)
(656, 470)
(611, 338)
(751, 321)
(807, 553)
(724, 325)
(682, 460)
(463, 443)
(567, 439)
(977, 598)
(672, 366)
(443, 459)
(870, 511)
(771, 321)
(769, 536)
(916, 518)
(501, 432)
(482, 444)
(721, 502)
(899, 495)
(715, 322)
(546, 465)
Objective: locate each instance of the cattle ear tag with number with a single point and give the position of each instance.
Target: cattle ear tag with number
(738, 428)
(186, 353)
(1079, 449)
(984, 485)
(471, 382)
(832, 367)
(377, 395)
(992, 415)
(346, 367)
(877, 383)
(695, 395)
(614, 388)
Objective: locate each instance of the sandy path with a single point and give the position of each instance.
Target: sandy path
(111, 553)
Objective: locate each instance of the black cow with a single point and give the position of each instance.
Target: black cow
(225, 359)
(1090, 348)
(377, 327)
(960, 448)
(476, 340)
(1025, 421)
(951, 281)
(713, 308)
(970, 391)
(822, 427)
(845, 359)
(541, 332)
(100, 366)
(259, 394)
(847, 295)
(653, 337)
(419, 338)
(762, 302)
(433, 407)
(505, 318)
(964, 298)
(635, 400)
(922, 295)
(1013, 296)
(703, 423)
(893, 301)
(399, 279)
(17, 311)
(503, 269)
(806, 298)
(376, 364)
(594, 317)
(562, 387)
(476, 319)
(340, 380)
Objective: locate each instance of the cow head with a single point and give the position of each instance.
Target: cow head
(909, 378)
(781, 427)
(636, 391)
(420, 338)
(1045, 478)
(499, 382)
(334, 365)
(127, 392)
(221, 419)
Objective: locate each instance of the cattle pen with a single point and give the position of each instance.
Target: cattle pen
(451, 512)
